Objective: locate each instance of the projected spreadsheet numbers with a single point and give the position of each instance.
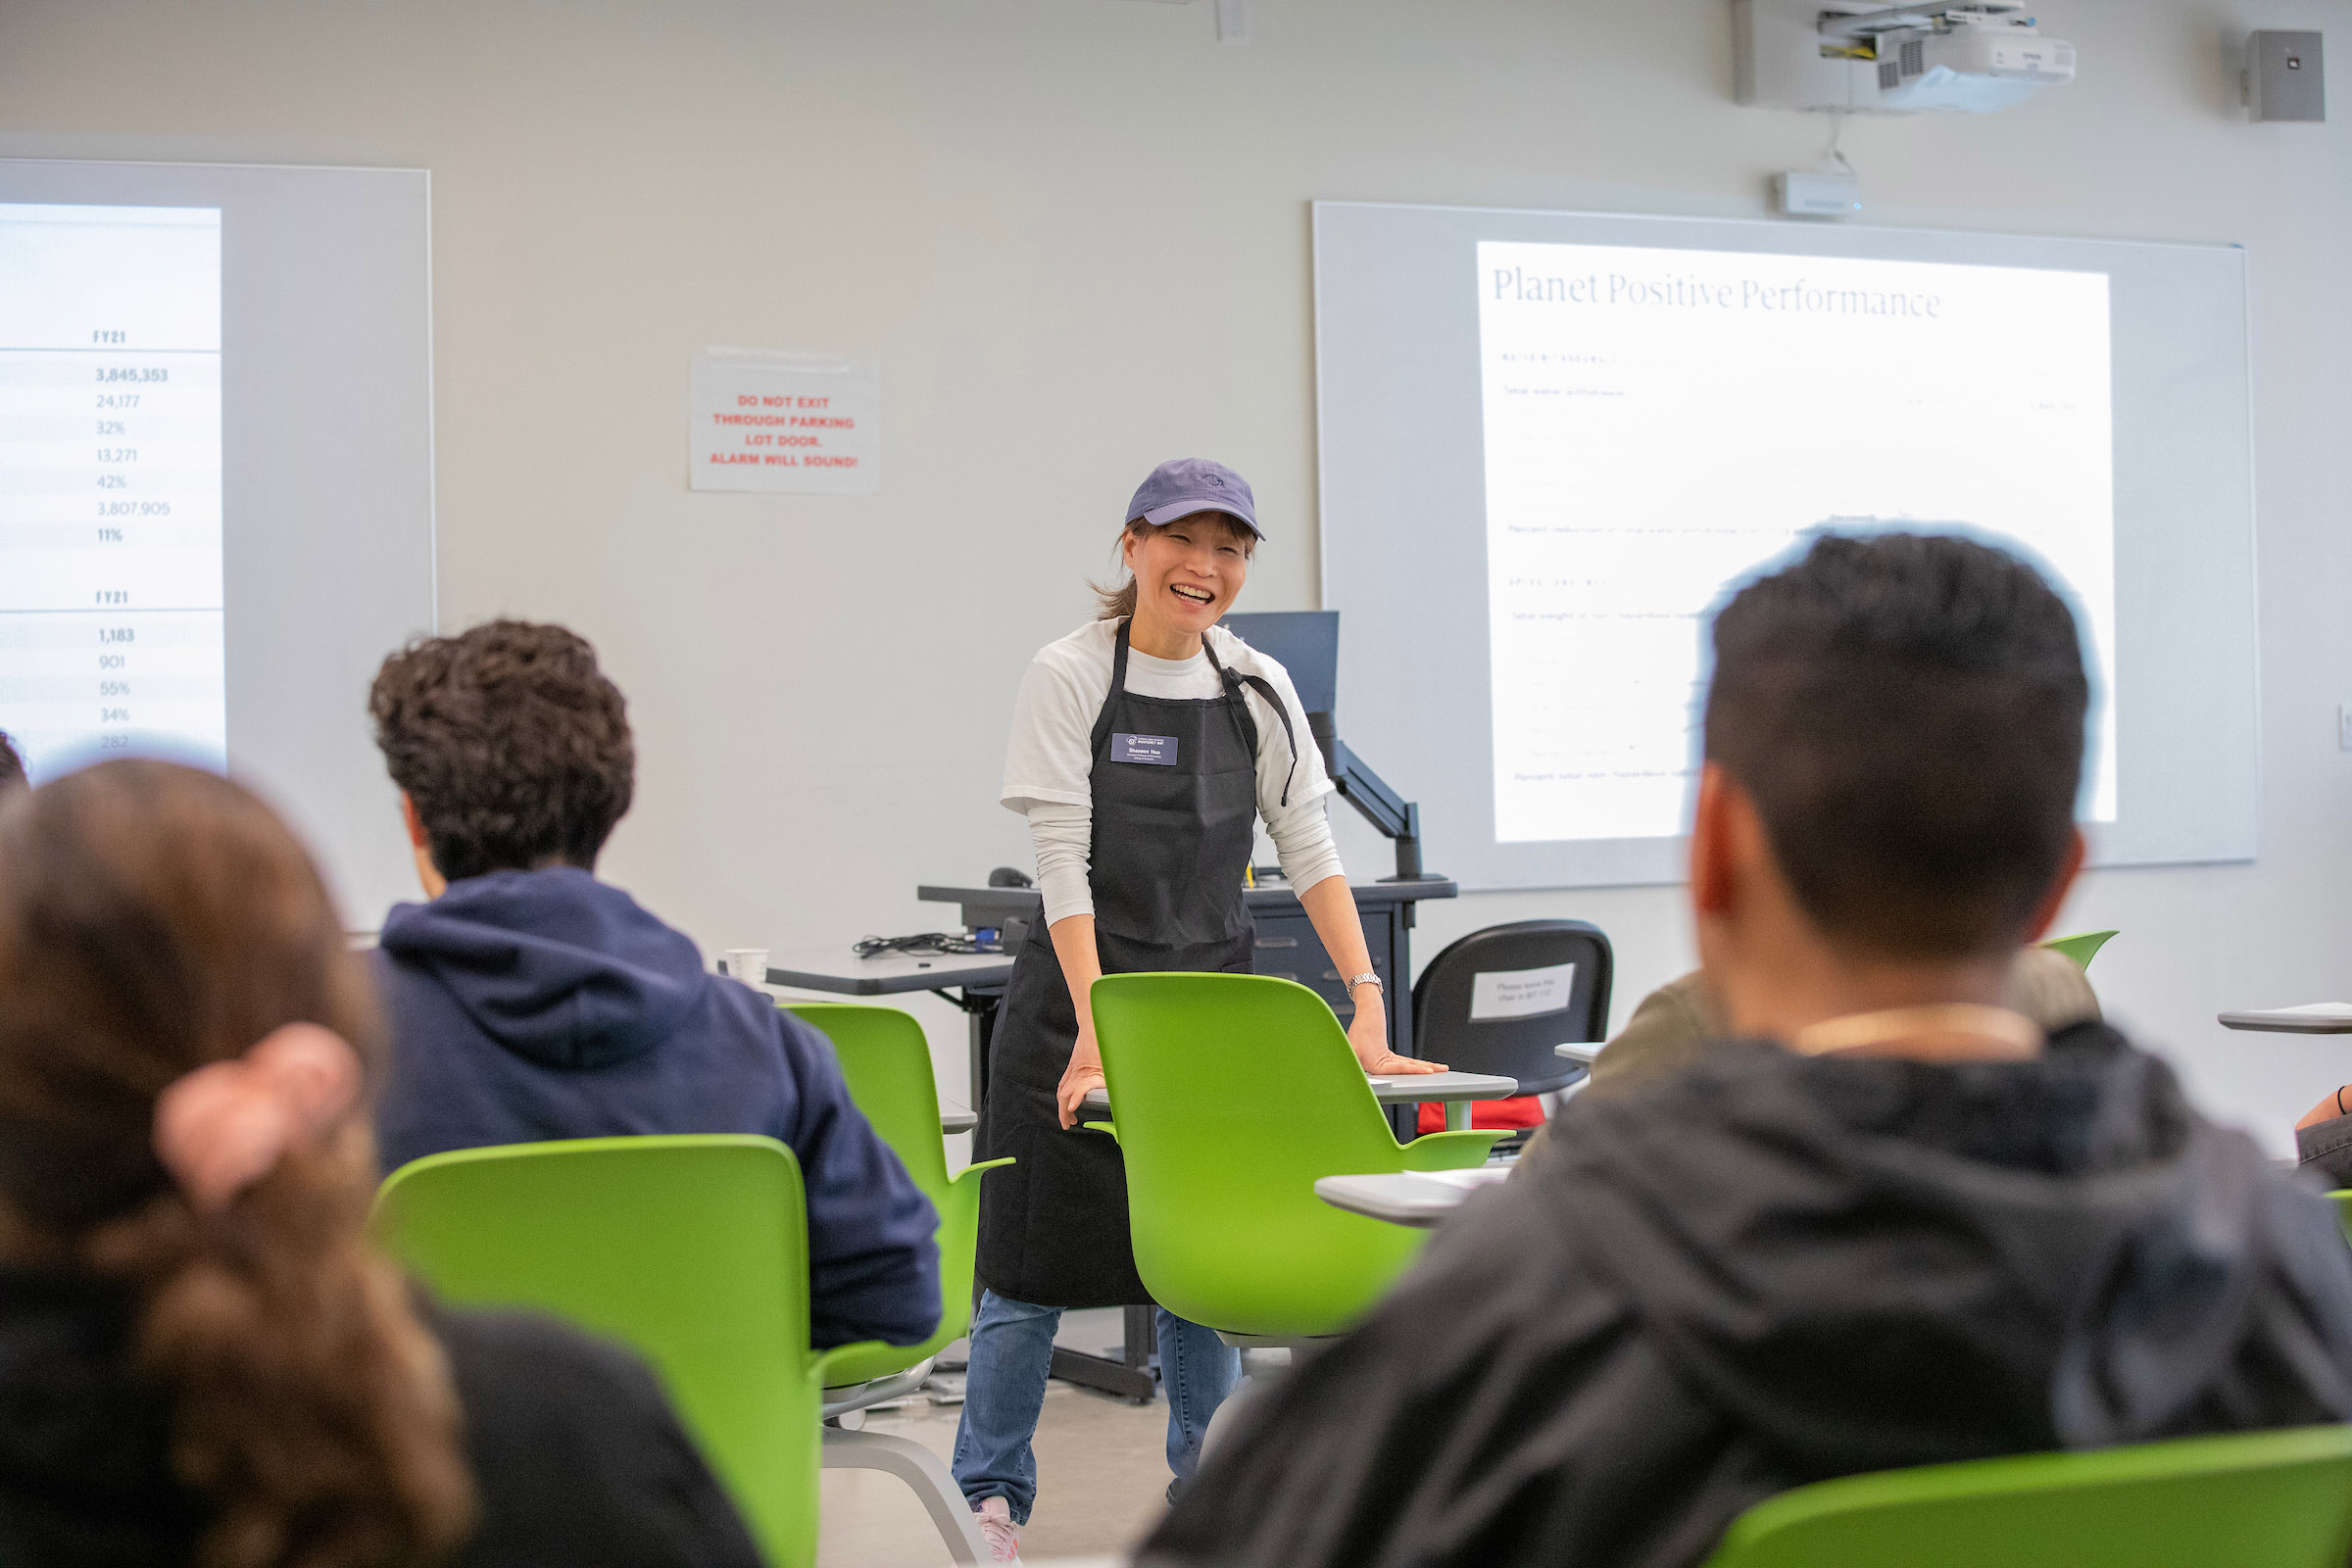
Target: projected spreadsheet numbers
(1658, 423)
(110, 598)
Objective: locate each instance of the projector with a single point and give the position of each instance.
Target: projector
(1865, 57)
(1977, 62)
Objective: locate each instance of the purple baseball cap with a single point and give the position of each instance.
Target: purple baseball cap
(1182, 486)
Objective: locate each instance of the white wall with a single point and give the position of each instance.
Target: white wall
(1075, 231)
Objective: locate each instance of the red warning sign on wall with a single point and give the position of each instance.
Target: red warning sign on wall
(805, 423)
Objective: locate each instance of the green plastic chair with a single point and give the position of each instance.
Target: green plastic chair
(2081, 948)
(1230, 1095)
(692, 1249)
(886, 1064)
(2260, 1500)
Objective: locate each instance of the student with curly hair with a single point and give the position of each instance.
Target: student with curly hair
(531, 1001)
(202, 1362)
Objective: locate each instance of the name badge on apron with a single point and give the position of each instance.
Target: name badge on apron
(1160, 749)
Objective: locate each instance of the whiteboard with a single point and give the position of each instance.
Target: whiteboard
(326, 478)
(1405, 546)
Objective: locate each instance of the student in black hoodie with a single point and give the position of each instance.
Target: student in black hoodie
(530, 1000)
(201, 1358)
(1894, 1226)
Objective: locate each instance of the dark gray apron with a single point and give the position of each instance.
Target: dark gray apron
(1175, 802)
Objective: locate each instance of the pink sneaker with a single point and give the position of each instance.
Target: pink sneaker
(997, 1528)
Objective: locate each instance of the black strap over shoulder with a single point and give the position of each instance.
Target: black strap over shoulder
(1118, 684)
(1233, 681)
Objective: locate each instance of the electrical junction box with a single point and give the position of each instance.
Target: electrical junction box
(2281, 78)
(1866, 57)
(1799, 195)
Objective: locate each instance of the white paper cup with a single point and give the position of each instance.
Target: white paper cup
(747, 964)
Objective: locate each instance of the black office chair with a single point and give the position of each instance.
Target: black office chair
(1495, 1002)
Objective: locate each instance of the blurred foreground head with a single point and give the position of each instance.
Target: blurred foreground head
(156, 921)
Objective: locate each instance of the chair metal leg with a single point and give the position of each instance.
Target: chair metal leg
(920, 1469)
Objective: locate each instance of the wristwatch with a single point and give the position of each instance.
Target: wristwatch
(1354, 980)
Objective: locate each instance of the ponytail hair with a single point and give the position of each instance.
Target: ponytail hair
(1116, 601)
(155, 919)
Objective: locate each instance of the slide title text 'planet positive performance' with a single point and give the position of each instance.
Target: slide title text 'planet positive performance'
(1673, 289)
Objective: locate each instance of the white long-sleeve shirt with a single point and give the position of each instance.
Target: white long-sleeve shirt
(1050, 760)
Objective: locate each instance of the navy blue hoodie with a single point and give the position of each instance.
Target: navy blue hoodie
(540, 1005)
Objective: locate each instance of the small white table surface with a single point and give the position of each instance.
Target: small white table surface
(839, 971)
(1416, 1197)
(2311, 1018)
(1453, 1089)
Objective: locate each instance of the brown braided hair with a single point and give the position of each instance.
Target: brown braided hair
(153, 920)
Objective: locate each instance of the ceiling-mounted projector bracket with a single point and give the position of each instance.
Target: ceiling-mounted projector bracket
(1915, 19)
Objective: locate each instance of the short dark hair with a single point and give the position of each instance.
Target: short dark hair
(513, 745)
(1906, 711)
(12, 768)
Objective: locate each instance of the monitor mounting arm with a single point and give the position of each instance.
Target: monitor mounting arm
(1395, 818)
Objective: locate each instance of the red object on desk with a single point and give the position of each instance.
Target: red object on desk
(1520, 1110)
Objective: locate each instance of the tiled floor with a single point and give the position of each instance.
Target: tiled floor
(1102, 1471)
(1102, 1475)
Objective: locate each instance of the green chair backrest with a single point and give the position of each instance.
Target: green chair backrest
(2081, 948)
(2260, 1500)
(1231, 1094)
(693, 1250)
(2343, 1209)
(886, 1064)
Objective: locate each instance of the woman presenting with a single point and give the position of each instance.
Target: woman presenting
(1146, 749)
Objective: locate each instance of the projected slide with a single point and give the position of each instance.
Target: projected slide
(1657, 422)
(111, 608)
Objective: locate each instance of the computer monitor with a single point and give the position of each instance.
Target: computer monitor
(1304, 642)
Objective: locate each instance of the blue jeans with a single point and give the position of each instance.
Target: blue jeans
(1005, 1389)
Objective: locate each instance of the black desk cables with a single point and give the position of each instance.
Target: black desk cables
(927, 943)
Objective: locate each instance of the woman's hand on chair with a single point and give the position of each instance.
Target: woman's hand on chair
(1081, 1077)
